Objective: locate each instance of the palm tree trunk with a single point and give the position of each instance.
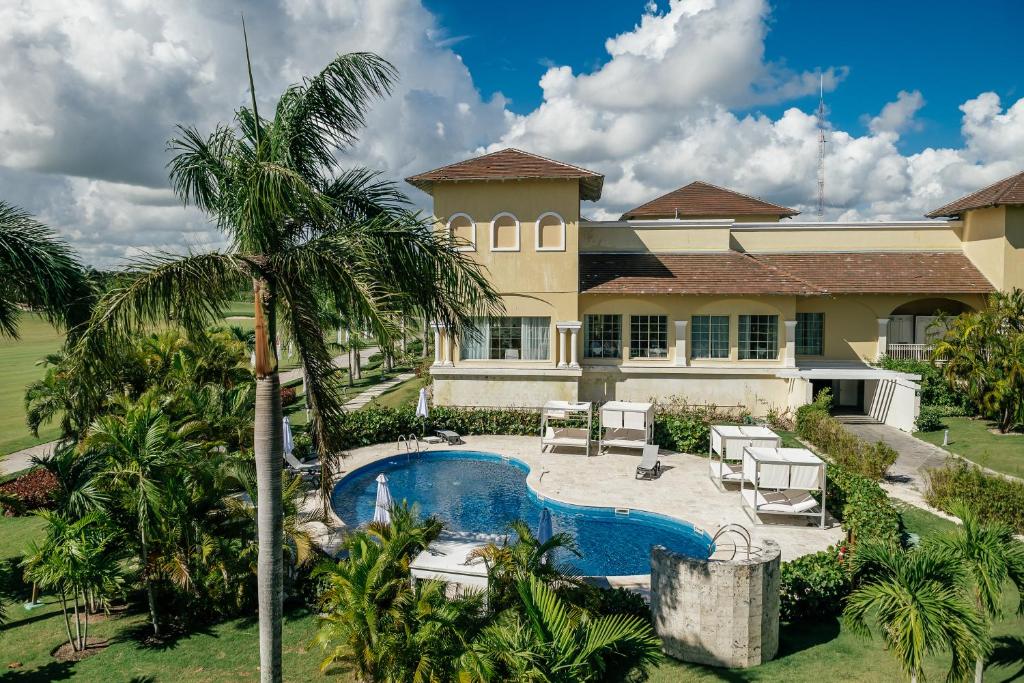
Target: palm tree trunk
(150, 598)
(67, 619)
(85, 633)
(77, 645)
(979, 670)
(426, 337)
(270, 524)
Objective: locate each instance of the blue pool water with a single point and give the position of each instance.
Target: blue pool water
(483, 492)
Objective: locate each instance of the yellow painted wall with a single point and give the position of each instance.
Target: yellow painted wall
(637, 238)
(758, 393)
(498, 391)
(984, 234)
(1014, 264)
(792, 237)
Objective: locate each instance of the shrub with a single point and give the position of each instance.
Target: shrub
(930, 419)
(936, 391)
(31, 491)
(288, 396)
(604, 601)
(828, 434)
(994, 498)
(813, 586)
(683, 433)
(861, 505)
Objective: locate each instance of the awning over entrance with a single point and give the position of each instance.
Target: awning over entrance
(850, 372)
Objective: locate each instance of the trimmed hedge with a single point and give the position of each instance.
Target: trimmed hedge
(861, 505)
(380, 424)
(994, 498)
(828, 434)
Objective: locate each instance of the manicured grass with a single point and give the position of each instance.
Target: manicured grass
(18, 369)
(973, 440)
(406, 393)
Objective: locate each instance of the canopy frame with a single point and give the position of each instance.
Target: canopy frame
(626, 425)
(728, 442)
(755, 462)
(572, 437)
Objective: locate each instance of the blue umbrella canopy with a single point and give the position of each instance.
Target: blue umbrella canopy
(544, 530)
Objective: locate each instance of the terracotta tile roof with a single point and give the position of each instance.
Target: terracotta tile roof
(733, 272)
(728, 272)
(704, 199)
(1006, 191)
(935, 272)
(510, 164)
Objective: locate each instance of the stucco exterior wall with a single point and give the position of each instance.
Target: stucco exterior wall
(757, 392)
(1013, 275)
(984, 235)
(793, 237)
(503, 391)
(645, 236)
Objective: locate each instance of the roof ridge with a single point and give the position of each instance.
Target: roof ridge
(796, 278)
(544, 158)
(742, 194)
(1009, 182)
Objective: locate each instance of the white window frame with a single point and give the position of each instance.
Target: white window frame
(493, 226)
(472, 223)
(536, 240)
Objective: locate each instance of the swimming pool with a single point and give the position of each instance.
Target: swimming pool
(483, 492)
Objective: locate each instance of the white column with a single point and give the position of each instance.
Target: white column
(790, 344)
(883, 336)
(566, 328)
(681, 354)
(449, 348)
(561, 346)
(573, 362)
(437, 344)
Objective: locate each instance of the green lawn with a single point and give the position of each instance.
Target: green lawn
(973, 440)
(406, 393)
(18, 369)
(810, 653)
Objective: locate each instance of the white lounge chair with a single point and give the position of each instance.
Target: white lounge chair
(449, 436)
(296, 465)
(650, 466)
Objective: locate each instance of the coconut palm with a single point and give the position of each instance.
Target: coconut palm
(138, 446)
(917, 599)
(546, 639)
(300, 235)
(992, 557)
(39, 271)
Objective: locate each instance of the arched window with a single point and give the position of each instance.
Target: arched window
(462, 231)
(505, 232)
(550, 232)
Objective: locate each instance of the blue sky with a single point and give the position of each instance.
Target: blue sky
(887, 46)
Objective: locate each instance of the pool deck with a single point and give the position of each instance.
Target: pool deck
(684, 490)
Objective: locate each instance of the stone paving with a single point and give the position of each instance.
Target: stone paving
(684, 490)
(378, 389)
(22, 460)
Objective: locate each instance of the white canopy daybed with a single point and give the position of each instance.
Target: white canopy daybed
(626, 425)
(555, 435)
(728, 442)
(451, 560)
(778, 481)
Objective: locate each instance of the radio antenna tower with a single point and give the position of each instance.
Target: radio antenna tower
(821, 146)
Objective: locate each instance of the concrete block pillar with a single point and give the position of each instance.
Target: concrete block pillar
(790, 360)
(681, 350)
(883, 336)
(568, 328)
(722, 613)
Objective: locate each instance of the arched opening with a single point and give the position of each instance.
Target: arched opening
(915, 325)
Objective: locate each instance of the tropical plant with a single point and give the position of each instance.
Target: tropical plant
(991, 557)
(138, 446)
(983, 357)
(545, 639)
(80, 560)
(917, 599)
(302, 236)
(39, 271)
(78, 492)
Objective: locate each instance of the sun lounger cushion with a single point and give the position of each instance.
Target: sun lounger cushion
(791, 501)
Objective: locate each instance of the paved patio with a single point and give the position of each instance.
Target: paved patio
(683, 491)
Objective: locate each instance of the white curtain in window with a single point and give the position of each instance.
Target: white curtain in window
(536, 338)
(476, 340)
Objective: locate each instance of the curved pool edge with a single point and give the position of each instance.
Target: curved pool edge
(657, 518)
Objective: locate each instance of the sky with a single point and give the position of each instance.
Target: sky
(924, 100)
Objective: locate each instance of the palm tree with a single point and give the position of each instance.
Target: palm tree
(983, 354)
(991, 556)
(545, 639)
(917, 600)
(39, 271)
(138, 446)
(300, 236)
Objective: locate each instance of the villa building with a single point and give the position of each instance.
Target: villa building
(704, 293)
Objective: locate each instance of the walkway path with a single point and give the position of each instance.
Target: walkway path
(22, 460)
(378, 389)
(916, 457)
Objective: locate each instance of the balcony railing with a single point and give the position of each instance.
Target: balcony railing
(910, 351)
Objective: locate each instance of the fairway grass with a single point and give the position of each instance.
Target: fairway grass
(18, 368)
(975, 440)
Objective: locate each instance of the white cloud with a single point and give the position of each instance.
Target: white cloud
(93, 89)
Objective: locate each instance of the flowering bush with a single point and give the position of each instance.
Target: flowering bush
(30, 491)
(814, 586)
(288, 396)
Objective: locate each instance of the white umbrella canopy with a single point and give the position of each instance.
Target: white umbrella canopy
(289, 442)
(544, 530)
(421, 405)
(382, 510)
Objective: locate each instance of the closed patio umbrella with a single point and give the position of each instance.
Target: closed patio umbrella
(289, 443)
(421, 408)
(382, 510)
(544, 530)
